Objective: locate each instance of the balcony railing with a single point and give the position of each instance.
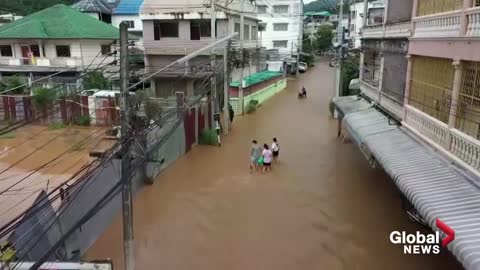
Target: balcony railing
(456, 143)
(42, 62)
(438, 25)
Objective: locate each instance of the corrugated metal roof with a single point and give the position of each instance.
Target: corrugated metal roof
(99, 6)
(128, 7)
(349, 104)
(434, 187)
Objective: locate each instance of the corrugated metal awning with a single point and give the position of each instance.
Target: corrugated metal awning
(349, 104)
(435, 188)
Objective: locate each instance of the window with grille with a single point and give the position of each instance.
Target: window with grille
(6, 51)
(165, 30)
(280, 27)
(236, 29)
(468, 109)
(280, 43)
(371, 67)
(106, 49)
(131, 24)
(280, 9)
(427, 7)
(246, 32)
(200, 28)
(431, 85)
(63, 51)
(262, 9)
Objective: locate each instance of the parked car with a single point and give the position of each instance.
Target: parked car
(302, 67)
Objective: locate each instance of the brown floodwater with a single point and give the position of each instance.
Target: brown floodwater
(322, 206)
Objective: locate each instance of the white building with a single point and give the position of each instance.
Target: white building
(375, 14)
(281, 30)
(129, 11)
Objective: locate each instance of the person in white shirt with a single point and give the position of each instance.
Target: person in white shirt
(275, 149)
(267, 158)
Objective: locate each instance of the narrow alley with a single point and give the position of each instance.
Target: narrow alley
(322, 206)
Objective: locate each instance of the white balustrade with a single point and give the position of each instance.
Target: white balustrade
(466, 148)
(473, 22)
(427, 125)
(441, 25)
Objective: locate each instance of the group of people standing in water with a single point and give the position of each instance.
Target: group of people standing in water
(264, 157)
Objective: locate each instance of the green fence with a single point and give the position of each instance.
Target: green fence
(261, 95)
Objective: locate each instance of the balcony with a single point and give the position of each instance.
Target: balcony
(39, 64)
(452, 24)
(384, 100)
(396, 30)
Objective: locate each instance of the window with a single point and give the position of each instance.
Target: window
(280, 43)
(262, 27)
(6, 51)
(106, 49)
(262, 9)
(200, 28)
(131, 24)
(254, 33)
(237, 28)
(280, 9)
(280, 27)
(246, 32)
(164, 29)
(35, 49)
(63, 51)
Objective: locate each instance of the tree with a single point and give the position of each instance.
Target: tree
(96, 80)
(324, 37)
(43, 99)
(350, 71)
(321, 5)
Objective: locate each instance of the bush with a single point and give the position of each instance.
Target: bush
(83, 120)
(43, 99)
(252, 106)
(208, 137)
(15, 82)
(57, 125)
(96, 80)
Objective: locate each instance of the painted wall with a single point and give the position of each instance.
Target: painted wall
(260, 95)
(399, 11)
(117, 19)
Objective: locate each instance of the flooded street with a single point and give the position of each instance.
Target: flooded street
(322, 206)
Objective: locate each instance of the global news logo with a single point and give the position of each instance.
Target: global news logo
(420, 243)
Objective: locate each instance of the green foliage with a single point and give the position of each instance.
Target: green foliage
(56, 125)
(43, 99)
(96, 80)
(309, 59)
(83, 120)
(252, 106)
(324, 37)
(13, 82)
(208, 137)
(26, 7)
(8, 135)
(152, 109)
(350, 71)
(321, 5)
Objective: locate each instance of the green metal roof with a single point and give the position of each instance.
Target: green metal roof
(319, 13)
(58, 22)
(256, 78)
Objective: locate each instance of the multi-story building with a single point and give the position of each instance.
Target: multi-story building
(383, 61)
(282, 30)
(171, 32)
(375, 12)
(55, 39)
(420, 73)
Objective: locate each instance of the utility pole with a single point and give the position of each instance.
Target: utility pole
(212, 58)
(240, 88)
(226, 90)
(126, 114)
(340, 33)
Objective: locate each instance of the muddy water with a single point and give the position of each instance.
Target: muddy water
(322, 207)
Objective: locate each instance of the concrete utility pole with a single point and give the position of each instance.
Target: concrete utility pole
(242, 34)
(340, 33)
(216, 104)
(126, 160)
(226, 90)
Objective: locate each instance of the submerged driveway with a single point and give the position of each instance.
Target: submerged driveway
(322, 206)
